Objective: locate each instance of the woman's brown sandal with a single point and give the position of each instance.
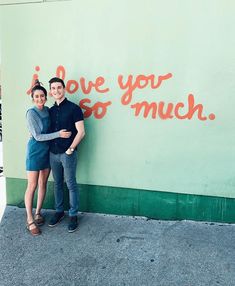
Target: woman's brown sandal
(34, 231)
(39, 219)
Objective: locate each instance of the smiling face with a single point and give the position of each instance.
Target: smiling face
(57, 91)
(39, 98)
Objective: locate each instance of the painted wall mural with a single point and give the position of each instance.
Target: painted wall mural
(160, 109)
(155, 80)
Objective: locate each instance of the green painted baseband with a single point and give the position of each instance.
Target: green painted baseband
(135, 202)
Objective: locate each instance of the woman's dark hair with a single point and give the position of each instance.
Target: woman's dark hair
(37, 86)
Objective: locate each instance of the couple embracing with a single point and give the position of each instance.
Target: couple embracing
(55, 135)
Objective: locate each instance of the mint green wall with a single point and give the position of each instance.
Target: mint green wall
(193, 40)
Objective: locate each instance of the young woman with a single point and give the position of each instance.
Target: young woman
(37, 159)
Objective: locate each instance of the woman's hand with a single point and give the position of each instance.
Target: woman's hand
(65, 134)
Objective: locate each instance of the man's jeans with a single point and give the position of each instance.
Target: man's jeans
(64, 167)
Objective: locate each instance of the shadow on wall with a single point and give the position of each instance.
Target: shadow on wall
(1, 163)
(0, 114)
(2, 195)
(2, 179)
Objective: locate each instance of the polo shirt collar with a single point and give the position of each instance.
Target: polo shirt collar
(62, 103)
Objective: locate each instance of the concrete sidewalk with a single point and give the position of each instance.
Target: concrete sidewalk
(116, 250)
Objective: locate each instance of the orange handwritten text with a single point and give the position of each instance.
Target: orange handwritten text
(133, 83)
(141, 81)
(157, 109)
(99, 108)
(72, 85)
(35, 76)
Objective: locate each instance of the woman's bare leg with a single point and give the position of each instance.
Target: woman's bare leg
(29, 194)
(42, 187)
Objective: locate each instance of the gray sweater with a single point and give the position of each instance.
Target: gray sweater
(35, 126)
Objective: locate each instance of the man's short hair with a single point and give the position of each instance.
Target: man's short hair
(56, 79)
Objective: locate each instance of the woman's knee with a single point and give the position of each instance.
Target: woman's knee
(31, 188)
(42, 184)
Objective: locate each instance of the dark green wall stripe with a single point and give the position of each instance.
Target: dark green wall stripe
(124, 201)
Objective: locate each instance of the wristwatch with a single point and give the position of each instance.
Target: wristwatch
(71, 149)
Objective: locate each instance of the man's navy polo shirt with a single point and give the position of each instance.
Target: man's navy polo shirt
(64, 116)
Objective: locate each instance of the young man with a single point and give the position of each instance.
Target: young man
(63, 156)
